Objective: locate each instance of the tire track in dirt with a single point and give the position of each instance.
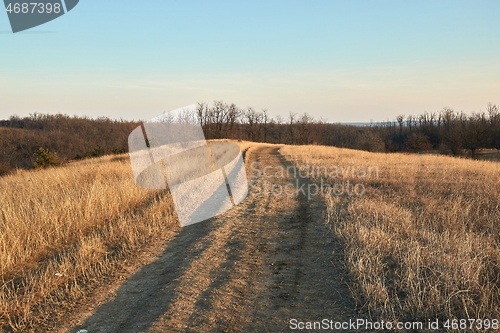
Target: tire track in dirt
(252, 269)
(305, 276)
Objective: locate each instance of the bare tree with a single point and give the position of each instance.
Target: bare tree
(279, 123)
(253, 120)
(202, 111)
(452, 136)
(494, 118)
(291, 118)
(400, 120)
(304, 130)
(233, 113)
(265, 120)
(474, 132)
(219, 114)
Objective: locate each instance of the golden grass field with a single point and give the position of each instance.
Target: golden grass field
(423, 241)
(63, 229)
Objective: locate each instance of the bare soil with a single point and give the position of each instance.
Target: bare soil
(252, 269)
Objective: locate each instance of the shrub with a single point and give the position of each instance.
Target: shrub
(96, 152)
(45, 159)
(116, 150)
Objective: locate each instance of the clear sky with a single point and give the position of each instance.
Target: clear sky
(345, 61)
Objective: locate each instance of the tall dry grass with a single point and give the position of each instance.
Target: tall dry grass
(64, 229)
(423, 241)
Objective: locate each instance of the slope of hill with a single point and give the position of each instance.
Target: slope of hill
(68, 137)
(418, 235)
(421, 231)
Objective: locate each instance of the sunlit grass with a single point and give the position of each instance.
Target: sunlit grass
(63, 228)
(423, 241)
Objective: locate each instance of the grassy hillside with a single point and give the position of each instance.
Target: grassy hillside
(421, 235)
(422, 240)
(64, 229)
(68, 137)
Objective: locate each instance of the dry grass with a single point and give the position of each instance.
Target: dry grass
(64, 229)
(423, 241)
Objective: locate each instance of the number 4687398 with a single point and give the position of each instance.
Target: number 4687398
(33, 7)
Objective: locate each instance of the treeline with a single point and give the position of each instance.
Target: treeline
(222, 120)
(68, 137)
(446, 131)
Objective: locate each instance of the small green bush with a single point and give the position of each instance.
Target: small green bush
(117, 150)
(96, 152)
(45, 159)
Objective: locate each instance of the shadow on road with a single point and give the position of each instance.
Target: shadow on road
(147, 295)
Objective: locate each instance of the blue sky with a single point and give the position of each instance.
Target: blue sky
(342, 61)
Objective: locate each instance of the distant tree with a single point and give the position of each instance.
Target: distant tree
(371, 141)
(202, 111)
(304, 128)
(265, 121)
(452, 132)
(494, 118)
(417, 142)
(279, 127)
(475, 133)
(291, 118)
(253, 120)
(233, 113)
(400, 120)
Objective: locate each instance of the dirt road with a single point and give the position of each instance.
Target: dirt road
(253, 269)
